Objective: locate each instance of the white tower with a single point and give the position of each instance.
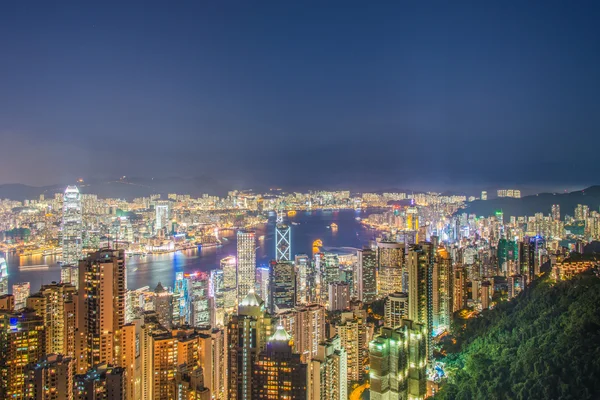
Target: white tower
(72, 226)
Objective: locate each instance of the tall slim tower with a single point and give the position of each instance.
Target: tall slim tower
(246, 263)
(162, 216)
(3, 277)
(420, 287)
(283, 240)
(282, 286)
(72, 226)
(367, 275)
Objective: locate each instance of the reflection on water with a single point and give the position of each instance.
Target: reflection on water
(148, 271)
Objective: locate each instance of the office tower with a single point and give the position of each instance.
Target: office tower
(101, 382)
(229, 266)
(263, 286)
(283, 240)
(180, 299)
(398, 358)
(353, 335)
(55, 304)
(3, 277)
(339, 296)
(391, 264)
(395, 309)
(52, 378)
(161, 209)
(133, 357)
(328, 372)
(443, 291)
(484, 195)
(246, 263)
(163, 305)
(530, 257)
(278, 372)
(302, 265)
(516, 284)
(135, 303)
(199, 300)
(330, 271)
(217, 312)
(21, 292)
(282, 286)
(420, 287)
(100, 308)
(306, 324)
(412, 218)
(213, 361)
(21, 344)
(247, 334)
(366, 276)
(485, 295)
(556, 212)
(72, 226)
(69, 274)
(460, 288)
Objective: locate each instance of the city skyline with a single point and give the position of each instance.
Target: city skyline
(493, 90)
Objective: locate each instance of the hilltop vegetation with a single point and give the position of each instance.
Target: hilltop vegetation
(545, 344)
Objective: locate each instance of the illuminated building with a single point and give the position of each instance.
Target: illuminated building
(283, 240)
(217, 312)
(52, 378)
(7, 302)
(133, 358)
(330, 272)
(398, 360)
(328, 372)
(306, 324)
(213, 362)
(366, 280)
(443, 291)
(21, 344)
(199, 300)
(485, 295)
(247, 334)
(302, 265)
(72, 226)
(339, 296)
(180, 299)
(246, 263)
(3, 277)
(530, 257)
(395, 309)
(263, 276)
(282, 283)
(101, 382)
(420, 287)
(100, 308)
(69, 274)
(55, 304)
(460, 288)
(163, 305)
(484, 195)
(391, 265)
(516, 284)
(228, 265)
(161, 209)
(556, 212)
(21, 292)
(278, 372)
(507, 254)
(164, 364)
(353, 335)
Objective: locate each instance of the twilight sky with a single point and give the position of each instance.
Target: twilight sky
(388, 93)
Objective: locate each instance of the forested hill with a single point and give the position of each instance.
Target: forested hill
(545, 344)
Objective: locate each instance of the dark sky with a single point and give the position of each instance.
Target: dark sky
(386, 93)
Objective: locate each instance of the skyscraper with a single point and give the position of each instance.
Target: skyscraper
(246, 263)
(101, 308)
(328, 372)
(283, 240)
(398, 359)
(228, 265)
(353, 334)
(163, 305)
(278, 371)
(391, 263)
(3, 277)
(52, 378)
(420, 287)
(366, 280)
(198, 299)
(306, 324)
(21, 291)
(339, 296)
(72, 226)
(395, 309)
(161, 209)
(443, 290)
(302, 264)
(282, 286)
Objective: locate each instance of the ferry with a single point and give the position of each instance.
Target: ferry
(295, 223)
(334, 226)
(261, 237)
(38, 266)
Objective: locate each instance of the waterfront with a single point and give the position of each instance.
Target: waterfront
(307, 226)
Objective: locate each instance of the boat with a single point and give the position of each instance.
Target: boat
(261, 237)
(38, 266)
(334, 226)
(295, 223)
(357, 218)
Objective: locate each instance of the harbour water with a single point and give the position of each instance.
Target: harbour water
(307, 226)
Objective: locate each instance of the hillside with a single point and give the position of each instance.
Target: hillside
(545, 344)
(529, 205)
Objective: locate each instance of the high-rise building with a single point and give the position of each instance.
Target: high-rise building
(247, 334)
(302, 264)
(443, 290)
(420, 287)
(278, 372)
(52, 378)
(395, 309)
(339, 296)
(163, 305)
(69, 274)
(353, 334)
(21, 345)
(199, 299)
(100, 382)
(306, 324)
(72, 226)
(398, 359)
(460, 288)
(283, 240)
(3, 277)
(556, 212)
(100, 308)
(213, 362)
(366, 279)
(328, 372)
(229, 291)
(484, 195)
(530, 257)
(282, 284)
(263, 283)
(21, 291)
(55, 304)
(516, 284)
(485, 295)
(330, 272)
(161, 209)
(391, 265)
(246, 263)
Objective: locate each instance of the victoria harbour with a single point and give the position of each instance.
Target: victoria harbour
(307, 226)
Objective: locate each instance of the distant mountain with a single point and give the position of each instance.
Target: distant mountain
(124, 189)
(529, 205)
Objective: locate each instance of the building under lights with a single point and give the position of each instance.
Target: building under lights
(420, 263)
(246, 263)
(161, 209)
(328, 372)
(282, 286)
(72, 226)
(367, 275)
(283, 242)
(3, 277)
(21, 291)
